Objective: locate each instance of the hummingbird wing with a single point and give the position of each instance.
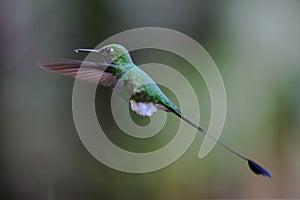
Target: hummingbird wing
(100, 73)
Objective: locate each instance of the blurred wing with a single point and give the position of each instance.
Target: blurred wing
(99, 73)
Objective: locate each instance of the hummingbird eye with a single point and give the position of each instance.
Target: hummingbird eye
(109, 50)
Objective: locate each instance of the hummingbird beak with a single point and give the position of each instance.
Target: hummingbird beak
(87, 50)
(98, 51)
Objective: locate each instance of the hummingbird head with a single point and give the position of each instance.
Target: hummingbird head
(112, 53)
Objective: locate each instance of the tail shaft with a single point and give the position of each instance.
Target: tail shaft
(256, 168)
(213, 138)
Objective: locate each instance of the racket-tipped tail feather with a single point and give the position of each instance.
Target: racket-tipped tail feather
(257, 169)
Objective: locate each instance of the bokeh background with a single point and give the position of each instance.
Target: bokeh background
(256, 46)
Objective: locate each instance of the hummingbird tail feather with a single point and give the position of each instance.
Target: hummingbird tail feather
(255, 168)
(213, 138)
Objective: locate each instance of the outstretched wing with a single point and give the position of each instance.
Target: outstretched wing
(100, 73)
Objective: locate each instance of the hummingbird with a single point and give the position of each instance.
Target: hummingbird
(118, 72)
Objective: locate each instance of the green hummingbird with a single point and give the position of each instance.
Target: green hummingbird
(120, 73)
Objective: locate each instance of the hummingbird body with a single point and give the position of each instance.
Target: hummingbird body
(145, 96)
(132, 84)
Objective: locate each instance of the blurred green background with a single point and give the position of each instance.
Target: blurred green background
(256, 46)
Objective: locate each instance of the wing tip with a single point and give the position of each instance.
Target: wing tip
(43, 65)
(39, 63)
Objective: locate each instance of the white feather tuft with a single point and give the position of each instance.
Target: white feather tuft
(142, 108)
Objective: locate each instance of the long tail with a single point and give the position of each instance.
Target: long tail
(256, 168)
